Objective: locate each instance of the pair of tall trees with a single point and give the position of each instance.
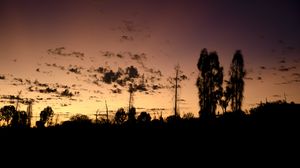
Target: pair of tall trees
(210, 83)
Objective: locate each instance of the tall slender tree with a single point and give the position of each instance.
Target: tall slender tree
(209, 83)
(236, 83)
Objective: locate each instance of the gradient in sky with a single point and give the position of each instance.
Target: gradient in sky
(61, 44)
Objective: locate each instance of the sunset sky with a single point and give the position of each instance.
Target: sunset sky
(48, 46)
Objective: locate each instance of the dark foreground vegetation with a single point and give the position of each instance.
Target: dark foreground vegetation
(277, 116)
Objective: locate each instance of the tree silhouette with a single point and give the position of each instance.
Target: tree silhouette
(7, 113)
(175, 84)
(236, 83)
(46, 116)
(188, 116)
(120, 116)
(80, 120)
(144, 118)
(131, 115)
(225, 99)
(19, 119)
(209, 83)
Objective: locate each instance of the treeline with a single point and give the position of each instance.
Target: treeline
(265, 115)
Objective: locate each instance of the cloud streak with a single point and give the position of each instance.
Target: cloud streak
(60, 51)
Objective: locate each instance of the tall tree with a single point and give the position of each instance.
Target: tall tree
(209, 83)
(237, 74)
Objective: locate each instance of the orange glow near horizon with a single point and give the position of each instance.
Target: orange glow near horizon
(167, 33)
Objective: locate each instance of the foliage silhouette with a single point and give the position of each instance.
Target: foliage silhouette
(209, 83)
(78, 121)
(46, 117)
(7, 113)
(144, 118)
(236, 83)
(19, 119)
(120, 116)
(131, 116)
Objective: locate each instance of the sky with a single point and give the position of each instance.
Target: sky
(75, 55)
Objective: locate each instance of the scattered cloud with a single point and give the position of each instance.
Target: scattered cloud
(13, 99)
(262, 67)
(276, 96)
(60, 51)
(116, 91)
(48, 90)
(281, 42)
(55, 66)
(297, 75)
(126, 38)
(129, 78)
(75, 70)
(139, 58)
(291, 48)
(107, 54)
(130, 30)
(68, 93)
(2, 77)
(286, 69)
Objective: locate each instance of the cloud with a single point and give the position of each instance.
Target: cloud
(126, 38)
(111, 76)
(129, 78)
(296, 80)
(248, 78)
(116, 91)
(285, 69)
(48, 90)
(131, 30)
(297, 75)
(276, 95)
(18, 80)
(12, 99)
(60, 51)
(52, 89)
(157, 109)
(282, 61)
(281, 42)
(291, 48)
(262, 67)
(129, 26)
(139, 58)
(74, 70)
(2, 77)
(67, 93)
(259, 78)
(55, 66)
(132, 72)
(101, 70)
(108, 54)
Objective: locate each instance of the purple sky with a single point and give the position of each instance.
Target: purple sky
(165, 32)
